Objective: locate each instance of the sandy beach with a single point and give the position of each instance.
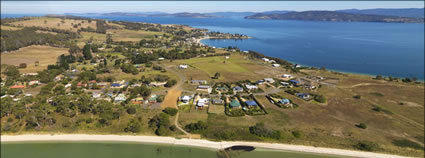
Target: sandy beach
(191, 142)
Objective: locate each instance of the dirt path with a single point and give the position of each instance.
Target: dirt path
(172, 97)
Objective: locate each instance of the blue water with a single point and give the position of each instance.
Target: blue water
(389, 49)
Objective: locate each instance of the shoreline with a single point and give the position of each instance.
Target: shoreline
(192, 142)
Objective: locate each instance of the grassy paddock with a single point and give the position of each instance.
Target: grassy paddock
(44, 54)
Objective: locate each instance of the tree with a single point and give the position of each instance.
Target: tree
(378, 77)
(171, 83)
(216, 75)
(133, 126)
(87, 52)
(131, 110)
(36, 63)
(170, 111)
(109, 38)
(73, 49)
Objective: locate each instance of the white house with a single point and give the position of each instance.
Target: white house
(269, 80)
(34, 82)
(121, 97)
(204, 88)
(96, 95)
(265, 59)
(157, 84)
(185, 99)
(203, 102)
(227, 57)
(286, 76)
(68, 85)
(183, 66)
(285, 84)
(275, 65)
(250, 87)
(160, 58)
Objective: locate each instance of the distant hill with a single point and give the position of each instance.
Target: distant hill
(335, 16)
(157, 14)
(404, 12)
(227, 14)
(277, 12)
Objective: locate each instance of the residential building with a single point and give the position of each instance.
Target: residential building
(35, 82)
(295, 82)
(183, 66)
(137, 101)
(251, 87)
(217, 101)
(153, 98)
(251, 103)
(203, 102)
(275, 65)
(234, 104)
(286, 76)
(17, 87)
(198, 82)
(285, 84)
(284, 101)
(265, 59)
(185, 99)
(121, 97)
(269, 80)
(116, 85)
(161, 58)
(157, 84)
(204, 88)
(303, 95)
(96, 95)
(237, 89)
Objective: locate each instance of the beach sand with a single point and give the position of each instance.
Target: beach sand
(191, 142)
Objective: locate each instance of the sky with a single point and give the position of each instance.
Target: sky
(60, 7)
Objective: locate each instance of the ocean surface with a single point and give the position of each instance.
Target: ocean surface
(94, 149)
(389, 49)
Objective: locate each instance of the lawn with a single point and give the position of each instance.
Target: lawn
(216, 109)
(46, 22)
(44, 54)
(91, 35)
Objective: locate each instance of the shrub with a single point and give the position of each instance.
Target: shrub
(198, 126)
(320, 98)
(297, 134)
(170, 111)
(131, 110)
(361, 125)
(366, 146)
(133, 126)
(357, 97)
(22, 65)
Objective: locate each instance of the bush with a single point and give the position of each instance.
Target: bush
(23, 65)
(357, 97)
(366, 146)
(320, 98)
(131, 110)
(260, 130)
(170, 111)
(297, 134)
(198, 126)
(361, 125)
(133, 126)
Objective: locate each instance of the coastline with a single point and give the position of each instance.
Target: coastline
(192, 142)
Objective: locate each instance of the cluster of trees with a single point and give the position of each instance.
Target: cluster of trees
(196, 127)
(278, 60)
(161, 124)
(15, 39)
(101, 26)
(129, 68)
(262, 131)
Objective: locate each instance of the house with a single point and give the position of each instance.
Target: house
(272, 61)
(17, 87)
(284, 101)
(185, 99)
(217, 101)
(204, 88)
(297, 66)
(183, 66)
(269, 80)
(251, 87)
(303, 95)
(29, 74)
(265, 59)
(260, 82)
(121, 97)
(198, 82)
(68, 85)
(34, 82)
(153, 98)
(80, 84)
(221, 89)
(309, 86)
(58, 78)
(96, 95)
(251, 103)
(275, 65)
(203, 102)
(286, 76)
(74, 70)
(285, 84)
(102, 84)
(237, 89)
(160, 58)
(295, 82)
(28, 95)
(227, 57)
(157, 84)
(116, 85)
(234, 104)
(138, 100)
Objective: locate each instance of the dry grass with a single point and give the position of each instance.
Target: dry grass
(9, 28)
(44, 54)
(46, 22)
(91, 35)
(171, 98)
(131, 35)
